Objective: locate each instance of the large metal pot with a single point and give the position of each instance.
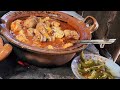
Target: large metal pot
(38, 56)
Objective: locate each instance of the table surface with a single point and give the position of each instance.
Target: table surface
(9, 69)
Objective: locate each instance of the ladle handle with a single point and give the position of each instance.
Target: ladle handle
(109, 41)
(92, 22)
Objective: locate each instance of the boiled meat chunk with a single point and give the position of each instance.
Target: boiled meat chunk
(71, 34)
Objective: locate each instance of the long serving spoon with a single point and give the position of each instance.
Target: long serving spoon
(106, 41)
(101, 42)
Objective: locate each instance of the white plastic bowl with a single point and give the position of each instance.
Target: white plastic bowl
(114, 68)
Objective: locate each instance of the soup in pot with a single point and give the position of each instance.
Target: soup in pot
(44, 32)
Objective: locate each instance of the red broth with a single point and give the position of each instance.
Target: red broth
(57, 43)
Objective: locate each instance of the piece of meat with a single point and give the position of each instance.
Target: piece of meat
(31, 22)
(30, 31)
(41, 20)
(71, 34)
(40, 27)
(67, 45)
(47, 23)
(56, 24)
(52, 38)
(38, 36)
(22, 37)
(16, 25)
(48, 27)
(44, 39)
(45, 19)
(58, 33)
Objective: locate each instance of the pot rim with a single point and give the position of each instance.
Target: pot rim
(5, 32)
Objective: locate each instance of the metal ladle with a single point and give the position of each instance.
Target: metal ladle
(101, 42)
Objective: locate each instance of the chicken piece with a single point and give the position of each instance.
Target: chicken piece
(44, 39)
(36, 32)
(16, 25)
(56, 24)
(40, 20)
(52, 38)
(47, 27)
(67, 45)
(31, 22)
(45, 19)
(47, 23)
(50, 47)
(21, 37)
(30, 31)
(38, 36)
(40, 27)
(58, 33)
(71, 34)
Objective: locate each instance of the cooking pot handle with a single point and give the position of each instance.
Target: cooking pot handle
(1, 22)
(92, 22)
